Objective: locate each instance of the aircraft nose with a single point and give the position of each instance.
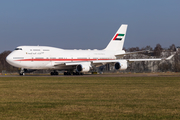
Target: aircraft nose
(9, 59)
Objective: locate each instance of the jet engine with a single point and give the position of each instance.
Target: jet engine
(84, 67)
(121, 65)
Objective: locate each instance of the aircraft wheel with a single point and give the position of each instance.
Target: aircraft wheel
(67, 73)
(56, 73)
(77, 73)
(52, 73)
(21, 74)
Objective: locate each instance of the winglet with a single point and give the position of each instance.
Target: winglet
(170, 57)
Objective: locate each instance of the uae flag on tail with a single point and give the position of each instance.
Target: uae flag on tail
(118, 37)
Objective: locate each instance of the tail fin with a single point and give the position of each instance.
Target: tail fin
(117, 42)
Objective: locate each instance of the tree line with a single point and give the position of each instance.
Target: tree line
(172, 65)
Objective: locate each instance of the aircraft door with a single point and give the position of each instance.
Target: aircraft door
(32, 59)
(73, 58)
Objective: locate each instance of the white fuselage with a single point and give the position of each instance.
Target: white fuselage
(43, 57)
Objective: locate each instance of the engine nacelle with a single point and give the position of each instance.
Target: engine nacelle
(84, 67)
(121, 65)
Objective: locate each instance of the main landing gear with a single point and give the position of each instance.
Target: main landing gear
(66, 73)
(54, 73)
(74, 73)
(77, 73)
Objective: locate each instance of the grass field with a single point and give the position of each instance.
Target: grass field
(90, 98)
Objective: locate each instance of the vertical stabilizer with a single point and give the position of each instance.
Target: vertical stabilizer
(117, 42)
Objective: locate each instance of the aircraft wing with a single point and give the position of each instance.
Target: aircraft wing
(103, 62)
(154, 59)
(131, 60)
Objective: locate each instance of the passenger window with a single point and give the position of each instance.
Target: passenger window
(36, 49)
(45, 50)
(18, 57)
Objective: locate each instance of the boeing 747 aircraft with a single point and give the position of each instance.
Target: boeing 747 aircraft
(73, 61)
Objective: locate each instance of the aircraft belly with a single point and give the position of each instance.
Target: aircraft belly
(34, 64)
(42, 65)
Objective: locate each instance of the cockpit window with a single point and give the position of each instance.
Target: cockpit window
(18, 48)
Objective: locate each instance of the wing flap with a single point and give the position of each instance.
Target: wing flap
(139, 60)
(154, 59)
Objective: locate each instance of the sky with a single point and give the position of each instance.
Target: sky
(88, 24)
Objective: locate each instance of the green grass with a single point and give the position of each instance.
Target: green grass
(142, 98)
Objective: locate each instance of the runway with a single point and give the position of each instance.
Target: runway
(102, 75)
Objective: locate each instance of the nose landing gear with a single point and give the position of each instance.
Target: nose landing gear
(22, 72)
